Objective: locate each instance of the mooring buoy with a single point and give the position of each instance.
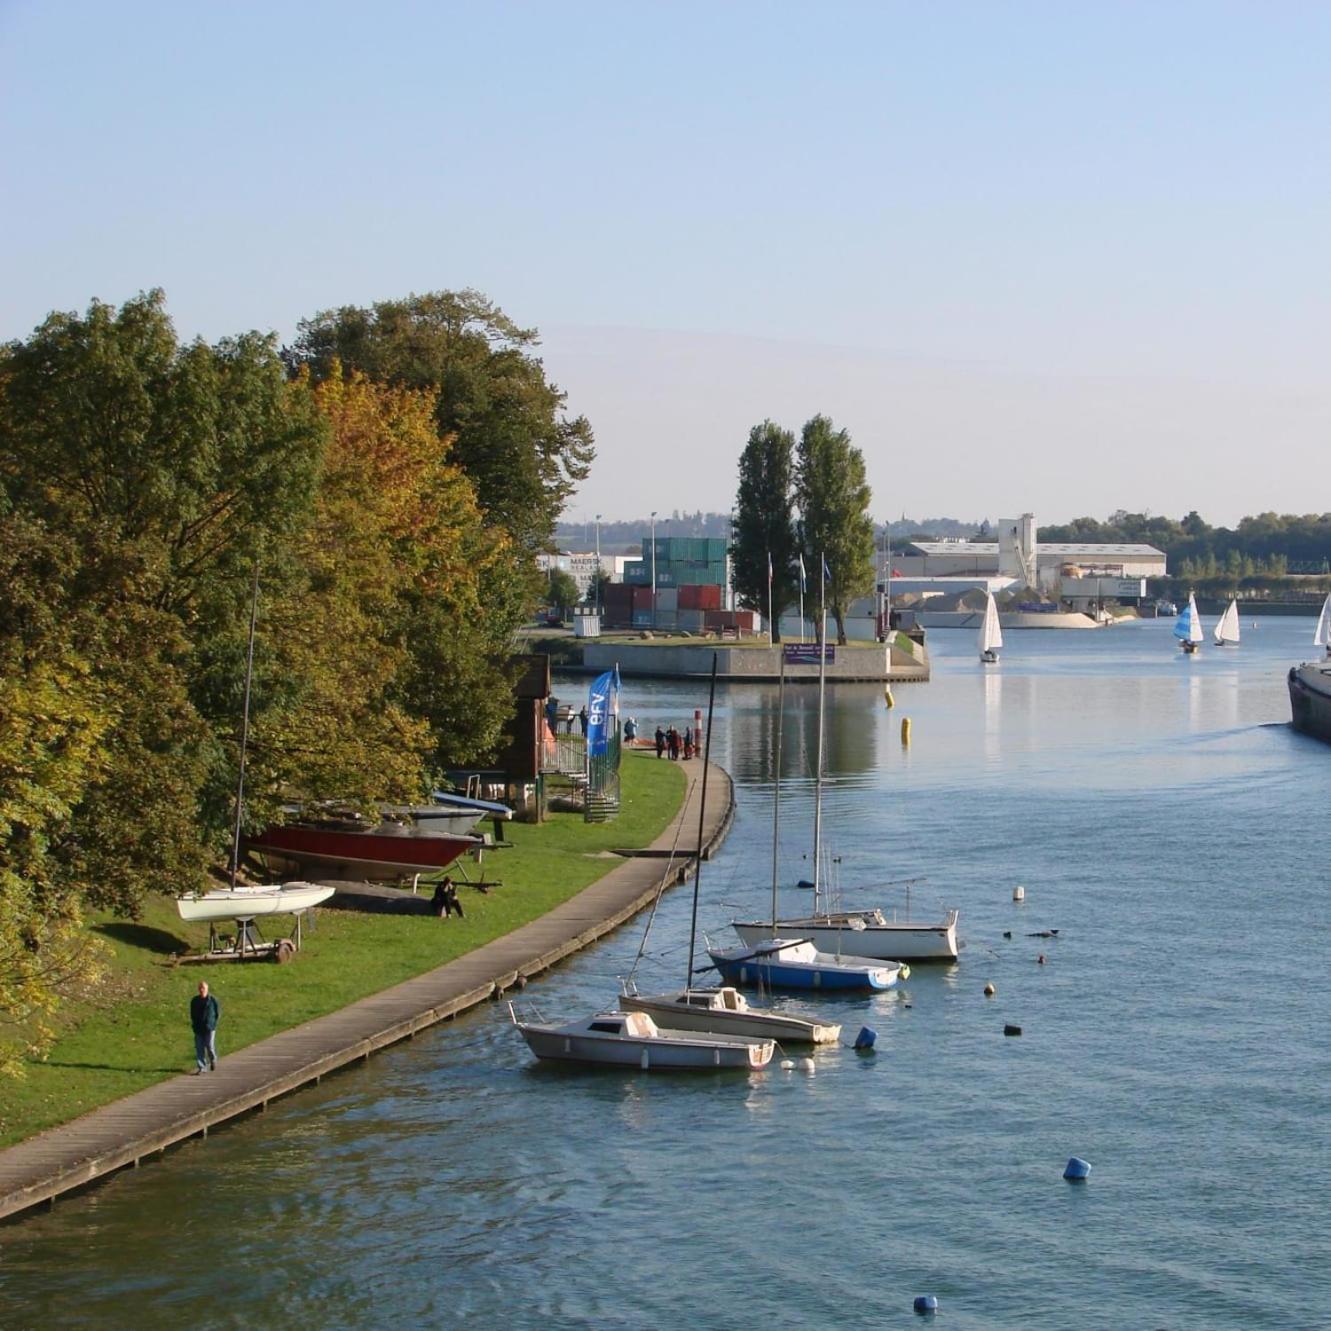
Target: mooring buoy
(1018, 893)
(1010, 1029)
(865, 1039)
(989, 990)
(926, 1303)
(1078, 1170)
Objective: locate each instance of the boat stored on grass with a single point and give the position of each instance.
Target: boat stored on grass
(233, 903)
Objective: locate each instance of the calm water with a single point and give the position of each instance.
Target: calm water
(1160, 814)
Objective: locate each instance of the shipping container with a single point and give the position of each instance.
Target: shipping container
(667, 598)
(719, 619)
(746, 621)
(694, 620)
(666, 620)
(637, 572)
(642, 619)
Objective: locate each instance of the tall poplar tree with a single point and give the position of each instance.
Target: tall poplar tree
(835, 525)
(764, 523)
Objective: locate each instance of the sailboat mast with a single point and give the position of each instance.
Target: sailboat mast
(244, 729)
(776, 787)
(702, 812)
(818, 775)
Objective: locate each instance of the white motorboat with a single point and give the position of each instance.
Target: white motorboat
(243, 903)
(633, 1040)
(1227, 626)
(867, 933)
(991, 635)
(725, 1011)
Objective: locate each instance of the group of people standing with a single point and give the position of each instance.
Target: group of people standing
(672, 742)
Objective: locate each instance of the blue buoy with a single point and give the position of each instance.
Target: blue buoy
(864, 1040)
(926, 1303)
(1078, 1170)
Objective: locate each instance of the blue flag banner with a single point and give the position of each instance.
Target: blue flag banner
(602, 707)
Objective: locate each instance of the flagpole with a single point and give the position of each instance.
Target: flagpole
(802, 577)
(770, 626)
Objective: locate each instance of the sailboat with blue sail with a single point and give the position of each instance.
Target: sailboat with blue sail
(1188, 626)
(785, 959)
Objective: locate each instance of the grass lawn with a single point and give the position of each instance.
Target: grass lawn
(134, 1029)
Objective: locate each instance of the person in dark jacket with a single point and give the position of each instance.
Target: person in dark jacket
(203, 1014)
(660, 741)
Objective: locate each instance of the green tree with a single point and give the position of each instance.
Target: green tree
(511, 436)
(835, 525)
(764, 536)
(561, 590)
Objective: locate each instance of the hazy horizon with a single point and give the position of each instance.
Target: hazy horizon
(1058, 259)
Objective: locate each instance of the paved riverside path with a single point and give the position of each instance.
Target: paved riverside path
(127, 1131)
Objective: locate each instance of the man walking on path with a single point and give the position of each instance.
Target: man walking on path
(203, 1014)
(660, 741)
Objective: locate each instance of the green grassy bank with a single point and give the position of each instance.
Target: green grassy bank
(133, 1030)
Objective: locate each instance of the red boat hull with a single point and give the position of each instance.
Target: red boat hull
(361, 855)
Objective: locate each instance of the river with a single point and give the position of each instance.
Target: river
(1159, 813)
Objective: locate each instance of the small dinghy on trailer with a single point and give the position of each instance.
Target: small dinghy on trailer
(633, 1040)
(234, 903)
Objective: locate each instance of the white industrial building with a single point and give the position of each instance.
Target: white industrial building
(1071, 571)
(581, 566)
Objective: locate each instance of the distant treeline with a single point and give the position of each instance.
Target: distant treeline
(1270, 543)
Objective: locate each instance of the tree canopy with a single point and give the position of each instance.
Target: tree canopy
(506, 421)
(835, 525)
(764, 530)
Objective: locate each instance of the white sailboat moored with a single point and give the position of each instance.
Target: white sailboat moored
(1227, 627)
(991, 635)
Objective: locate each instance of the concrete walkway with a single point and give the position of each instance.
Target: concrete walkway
(127, 1131)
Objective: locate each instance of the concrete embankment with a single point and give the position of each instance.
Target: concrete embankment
(129, 1131)
(879, 663)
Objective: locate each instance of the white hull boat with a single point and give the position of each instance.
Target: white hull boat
(725, 1011)
(633, 1040)
(243, 903)
(866, 933)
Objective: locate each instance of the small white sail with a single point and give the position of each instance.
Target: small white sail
(1227, 628)
(1195, 633)
(991, 636)
(1322, 638)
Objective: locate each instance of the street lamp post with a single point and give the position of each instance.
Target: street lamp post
(653, 570)
(596, 577)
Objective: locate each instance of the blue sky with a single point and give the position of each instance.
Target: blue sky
(1060, 257)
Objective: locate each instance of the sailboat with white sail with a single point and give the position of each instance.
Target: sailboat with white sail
(1188, 626)
(1227, 626)
(1322, 634)
(991, 635)
(782, 954)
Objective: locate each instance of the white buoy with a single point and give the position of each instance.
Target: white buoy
(787, 1063)
(808, 1065)
(1019, 893)
(989, 990)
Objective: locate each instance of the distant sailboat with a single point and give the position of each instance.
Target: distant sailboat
(1188, 626)
(1227, 628)
(991, 636)
(1322, 637)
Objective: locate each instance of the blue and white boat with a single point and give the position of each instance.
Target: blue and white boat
(1188, 626)
(794, 963)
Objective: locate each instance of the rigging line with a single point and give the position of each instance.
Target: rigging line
(665, 878)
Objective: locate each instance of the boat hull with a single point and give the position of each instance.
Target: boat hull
(373, 855)
(782, 967)
(243, 903)
(1310, 699)
(670, 1011)
(881, 942)
(676, 1051)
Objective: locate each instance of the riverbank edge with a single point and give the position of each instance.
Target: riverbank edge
(126, 1132)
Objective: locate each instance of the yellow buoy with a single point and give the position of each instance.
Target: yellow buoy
(888, 698)
(905, 730)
